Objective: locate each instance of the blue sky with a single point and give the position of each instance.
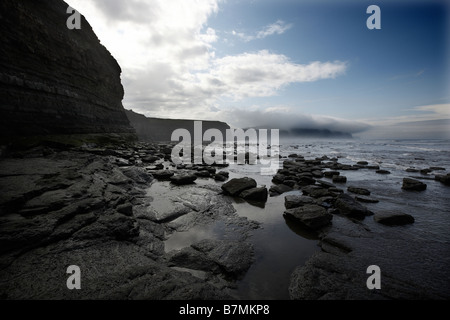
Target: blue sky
(283, 63)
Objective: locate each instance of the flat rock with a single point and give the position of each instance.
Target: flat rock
(255, 194)
(295, 201)
(366, 199)
(413, 185)
(313, 216)
(235, 186)
(279, 189)
(393, 218)
(162, 174)
(360, 191)
(232, 258)
(183, 179)
(349, 207)
(445, 179)
(339, 179)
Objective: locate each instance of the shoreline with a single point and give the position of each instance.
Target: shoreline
(93, 207)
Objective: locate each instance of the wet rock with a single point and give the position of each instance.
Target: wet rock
(437, 168)
(304, 180)
(363, 163)
(232, 258)
(325, 184)
(318, 192)
(255, 194)
(138, 175)
(383, 171)
(163, 174)
(290, 183)
(425, 171)
(183, 179)
(203, 174)
(219, 177)
(331, 174)
(224, 173)
(235, 186)
(295, 201)
(339, 179)
(317, 174)
(366, 199)
(360, 191)
(413, 185)
(126, 209)
(278, 178)
(150, 159)
(313, 216)
(276, 190)
(445, 179)
(349, 207)
(412, 170)
(392, 218)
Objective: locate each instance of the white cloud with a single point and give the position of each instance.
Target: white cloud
(425, 122)
(169, 65)
(419, 113)
(262, 74)
(278, 27)
(285, 118)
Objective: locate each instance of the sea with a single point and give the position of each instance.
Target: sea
(281, 246)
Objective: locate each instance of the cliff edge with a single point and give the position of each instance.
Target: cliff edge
(55, 81)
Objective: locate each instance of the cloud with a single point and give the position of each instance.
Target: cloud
(262, 74)
(169, 64)
(278, 27)
(425, 122)
(284, 118)
(416, 114)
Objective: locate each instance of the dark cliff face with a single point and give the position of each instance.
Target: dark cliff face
(54, 80)
(155, 129)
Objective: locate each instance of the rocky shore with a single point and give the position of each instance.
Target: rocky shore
(110, 211)
(91, 207)
(330, 205)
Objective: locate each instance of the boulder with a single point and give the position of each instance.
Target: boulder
(360, 191)
(235, 186)
(203, 174)
(331, 174)
(163, 174)
(445, 179)
(339, 179)
(383, 171)
(413, 185)
(326, 184)
(255, 194)
(349, 207)
(183, 179)
(313, 216)
(279, 189)
(393, 218)
(295, 201)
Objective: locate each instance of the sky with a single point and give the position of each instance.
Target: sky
(283, 63)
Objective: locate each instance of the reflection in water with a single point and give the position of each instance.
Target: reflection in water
(300, 230)
(180, 240)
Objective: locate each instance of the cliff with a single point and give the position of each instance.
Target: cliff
(55, 81)
(155, 129)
